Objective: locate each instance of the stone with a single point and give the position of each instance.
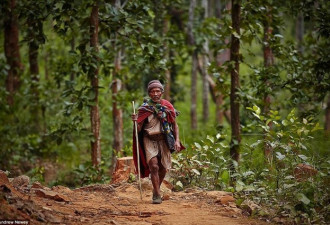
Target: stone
(164, 189)
(232, 210)
(146, 184)
(50, 195)
(37, 185)
(96, 188)
(114, 222)
(249, 207)
(166, 197)
(47, 208)
(225, 199)
(3, 177)
(61, 188)
(303, 172)
(21, 181)
(53, 219)
(216, 194)
(168, 185)
(186, 205)
(279, 220)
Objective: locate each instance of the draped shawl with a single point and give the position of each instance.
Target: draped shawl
(145, 110)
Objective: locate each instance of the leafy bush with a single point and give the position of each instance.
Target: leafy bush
(267, 180)
(203, 165)
(85, 174)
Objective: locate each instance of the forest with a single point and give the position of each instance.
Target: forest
(249, 78)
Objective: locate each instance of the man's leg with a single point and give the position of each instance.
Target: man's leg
(154, 170)
(162, 173)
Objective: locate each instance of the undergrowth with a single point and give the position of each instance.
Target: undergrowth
(273, 182)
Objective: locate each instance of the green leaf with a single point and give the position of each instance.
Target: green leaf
(287, 186)
(285, 123)
(305, 121)
(225, 177)
(279, 156)
(179, 184)
(236, 35)
(239, 186)
(198, 146)
(278, 35)
(256, 115)
(196, 171)
(151, 14)
(248, 173)
(256, 109)
(317, 127)
(301, 197)
(210, 138)
(303, 157)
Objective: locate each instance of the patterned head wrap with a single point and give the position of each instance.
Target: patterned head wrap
(155, 84)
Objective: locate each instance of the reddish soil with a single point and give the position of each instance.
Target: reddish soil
(116, 204)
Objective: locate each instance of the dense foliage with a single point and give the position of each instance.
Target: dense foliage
(46, 132)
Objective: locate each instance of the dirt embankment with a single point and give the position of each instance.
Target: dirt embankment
(114, 204)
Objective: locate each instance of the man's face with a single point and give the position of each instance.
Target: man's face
(155, 94)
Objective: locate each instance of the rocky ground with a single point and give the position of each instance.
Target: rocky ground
(114, 204)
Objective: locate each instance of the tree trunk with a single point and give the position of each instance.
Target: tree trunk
(73, 46)
(167, 57)
(206, 88)
(117, 113)
(191, 42)
(217, 9)
(34, 68)
(327, 117)
(300, 31)
(34, 72)
(268, 62)
(46, 66)
(221, 58)
(11, 47)
(94, 112)
(234, 104)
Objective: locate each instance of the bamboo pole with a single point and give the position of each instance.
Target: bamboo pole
(137, 150)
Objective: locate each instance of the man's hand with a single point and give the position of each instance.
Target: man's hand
(177, 146)
(134, 117)
(160, 114)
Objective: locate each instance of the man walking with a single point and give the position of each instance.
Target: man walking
(158, 135)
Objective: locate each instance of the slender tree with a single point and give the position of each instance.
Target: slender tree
(234, 104)
(206, 87)
(34, 15)
(268, 62)
(221, 57)
(300, 31)
(117, 112)
(167, 90)
(11, 46)
(94, 111)
(34, 72)
(73, 46)
(327, 116)
(191, 42)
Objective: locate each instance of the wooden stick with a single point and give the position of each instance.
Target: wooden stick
(137, 150)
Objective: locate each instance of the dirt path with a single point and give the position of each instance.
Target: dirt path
(120, 204)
